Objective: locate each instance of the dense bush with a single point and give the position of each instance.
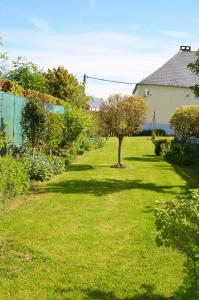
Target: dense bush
(178, 225)
(185, 121)
(183, 154)
(14, 179)
(162, 146)
(41, 167)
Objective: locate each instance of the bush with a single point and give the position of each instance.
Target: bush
(14, 179)
(183, 154)
(178, 225)
(162, 146)
(185, 121)
(42, 168)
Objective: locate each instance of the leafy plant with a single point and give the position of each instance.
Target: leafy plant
(27, 74)
(183, 154)
(178, 225)
(14, 179)
(162, 146)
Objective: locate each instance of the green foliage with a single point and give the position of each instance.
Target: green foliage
(183, 154)
(162, 145)
(13, 178)
(75, 124)
(121, 116)
(194, 67)
(178, 225)
(34, 122)
(65, 86)
(54, 131)
(185, 121)
(27, 74)
(43, 97)
(41, 167)
(11, 87)
(3, 137)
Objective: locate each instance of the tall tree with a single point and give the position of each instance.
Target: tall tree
(194, 67)
(122, 115)
(65, 86)
(28, 75)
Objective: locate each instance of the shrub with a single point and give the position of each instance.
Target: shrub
(162, 146)
(178, 224)
(14, 179)
(183, 154)
(185, 121)
(41, 167)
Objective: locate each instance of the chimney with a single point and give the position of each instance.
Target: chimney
(185, 48)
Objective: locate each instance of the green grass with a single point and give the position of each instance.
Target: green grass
(90, 234)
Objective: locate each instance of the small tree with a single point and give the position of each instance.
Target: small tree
(34, 123)
(121, 116)
(185, 121)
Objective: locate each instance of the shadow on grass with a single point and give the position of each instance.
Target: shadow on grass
(105, 187)
(148, 294)
(80, 168)
(145, 158)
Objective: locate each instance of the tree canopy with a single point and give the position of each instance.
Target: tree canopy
(28, 75)
(121, 116)
(65, 86)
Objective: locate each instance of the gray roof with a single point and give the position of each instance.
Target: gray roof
(95, 102)
(175, 72)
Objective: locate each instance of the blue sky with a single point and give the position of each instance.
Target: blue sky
(116, 39)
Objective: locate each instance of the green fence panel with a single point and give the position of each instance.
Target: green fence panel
(11, 107)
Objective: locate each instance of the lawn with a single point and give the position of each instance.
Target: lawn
(90, 234)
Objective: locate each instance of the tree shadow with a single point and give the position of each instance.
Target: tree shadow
(147, 294)
(145, 158)
(80, 167)
(105, 187)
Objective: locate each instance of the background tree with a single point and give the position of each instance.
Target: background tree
(28, 75)
(3, 61)
(194, 67)
(65, 86)
(185, 121)
(122, 115)
(34, 123)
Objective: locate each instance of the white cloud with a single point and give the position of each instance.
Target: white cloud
(92, 4)
(39, 24)
(178, 34)
(109, 55)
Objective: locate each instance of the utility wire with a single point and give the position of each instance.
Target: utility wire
(107, 80)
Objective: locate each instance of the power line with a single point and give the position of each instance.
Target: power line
(106, 80)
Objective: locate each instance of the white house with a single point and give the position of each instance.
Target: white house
(168, 88)
(95, 103)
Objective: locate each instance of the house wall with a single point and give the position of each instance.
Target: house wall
(164, 101)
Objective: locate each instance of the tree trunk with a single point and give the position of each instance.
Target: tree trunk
(119, 150)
